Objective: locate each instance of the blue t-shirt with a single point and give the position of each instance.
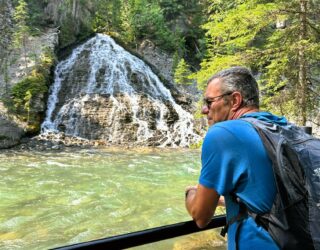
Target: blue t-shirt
(234, 161)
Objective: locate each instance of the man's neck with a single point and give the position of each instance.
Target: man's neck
(242, 111)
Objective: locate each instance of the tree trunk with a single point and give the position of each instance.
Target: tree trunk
(6, 76)
(74, 9)
(302, 90)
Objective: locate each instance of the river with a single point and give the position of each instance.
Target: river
(51, 199)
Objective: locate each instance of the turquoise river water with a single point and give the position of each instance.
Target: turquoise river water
(51, 199)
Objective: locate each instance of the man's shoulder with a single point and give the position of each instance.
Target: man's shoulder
(232, 131)
(266, 117)
(232, 126)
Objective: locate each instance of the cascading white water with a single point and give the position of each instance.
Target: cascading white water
(103, 92)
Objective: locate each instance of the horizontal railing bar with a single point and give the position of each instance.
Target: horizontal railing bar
(147, 236)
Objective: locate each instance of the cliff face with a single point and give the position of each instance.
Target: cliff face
(72, 18)
(13, 73)
(102, 92)
(162, 62)
(16, 65)
(11, 130)
(20, 64)
(6, 26)
(10, 133)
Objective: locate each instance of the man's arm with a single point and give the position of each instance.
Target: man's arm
(201, 203)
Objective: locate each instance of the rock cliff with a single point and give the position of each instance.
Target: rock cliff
(11, 130)
(102, 92)
(15, 67)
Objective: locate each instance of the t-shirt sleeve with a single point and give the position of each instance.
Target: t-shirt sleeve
(222, 165)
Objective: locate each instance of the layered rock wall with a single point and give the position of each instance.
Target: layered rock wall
(15, 65)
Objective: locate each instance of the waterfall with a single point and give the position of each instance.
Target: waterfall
(101, 91)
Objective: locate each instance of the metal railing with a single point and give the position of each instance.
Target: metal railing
(147, 236)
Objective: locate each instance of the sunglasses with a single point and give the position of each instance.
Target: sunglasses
(208, 101)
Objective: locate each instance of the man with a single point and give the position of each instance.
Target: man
(234, 161)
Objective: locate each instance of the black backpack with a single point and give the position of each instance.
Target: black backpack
(294, 219)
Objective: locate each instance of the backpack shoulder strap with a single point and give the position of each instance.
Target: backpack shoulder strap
(269, 134)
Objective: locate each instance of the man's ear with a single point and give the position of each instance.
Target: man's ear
(236, 100)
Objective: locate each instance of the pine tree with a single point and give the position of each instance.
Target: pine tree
(182, 73)
(280, 40)
(22, 30)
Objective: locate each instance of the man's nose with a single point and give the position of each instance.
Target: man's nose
(204, 110)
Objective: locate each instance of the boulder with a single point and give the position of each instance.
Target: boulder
(10, 133)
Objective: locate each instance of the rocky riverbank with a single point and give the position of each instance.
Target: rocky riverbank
(57, 141)
(60, 141)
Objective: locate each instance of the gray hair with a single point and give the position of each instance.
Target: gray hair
(239, 79)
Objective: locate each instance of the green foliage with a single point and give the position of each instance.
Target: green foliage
(27, 105)
(184, 18)
(175, 61)
(182, 73)
(37, 18)
(22, 30)
(196, 145)
(244, 33)
(107, 16)
(172, 25)
(290, 54)
(67, 31)
(208, 67)
(231, 31)
(46, 61)
(143, 19)
(30, 88)
(171, 8)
